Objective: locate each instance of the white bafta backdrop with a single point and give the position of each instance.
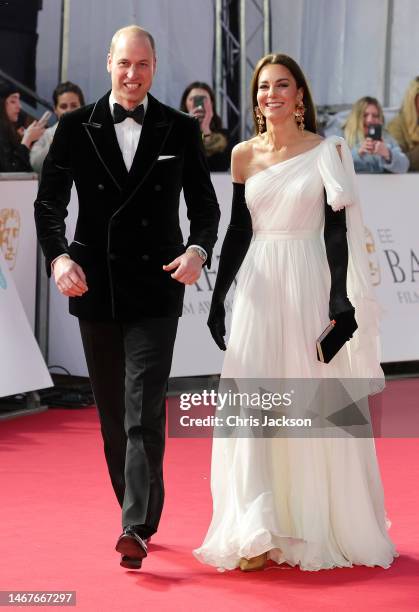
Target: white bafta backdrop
(22, 367)
(18, 237)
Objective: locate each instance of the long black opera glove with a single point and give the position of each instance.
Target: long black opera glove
(234, 249)
(340, 308)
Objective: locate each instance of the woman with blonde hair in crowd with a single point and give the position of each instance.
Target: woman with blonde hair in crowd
(373, 149)
(405, 126)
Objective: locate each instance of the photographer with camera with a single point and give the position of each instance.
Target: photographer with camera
(198, 100)
(373, 149)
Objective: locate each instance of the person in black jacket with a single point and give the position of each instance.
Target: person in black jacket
(14, 151)
(126, 270)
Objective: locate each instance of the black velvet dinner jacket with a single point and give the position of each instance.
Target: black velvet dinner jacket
(128, 222)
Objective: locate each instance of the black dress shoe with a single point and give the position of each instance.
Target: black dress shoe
(130, 562)
(130, 544)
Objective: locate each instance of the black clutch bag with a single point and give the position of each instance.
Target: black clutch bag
(333, 338)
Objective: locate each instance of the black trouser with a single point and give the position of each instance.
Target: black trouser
(129, 365)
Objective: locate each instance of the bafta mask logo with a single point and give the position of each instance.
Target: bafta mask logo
(3, 282)
(9, 235)
(374, 265)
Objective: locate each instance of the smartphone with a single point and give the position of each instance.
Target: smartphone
(375, 131)
(198, 101)
(45, 117)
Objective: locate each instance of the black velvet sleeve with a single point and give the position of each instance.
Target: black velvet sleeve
(233, 251)
(54, 195)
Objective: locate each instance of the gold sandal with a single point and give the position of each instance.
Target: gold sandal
(254, 563)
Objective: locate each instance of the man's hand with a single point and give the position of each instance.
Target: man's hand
(188, 268)
(69, 277)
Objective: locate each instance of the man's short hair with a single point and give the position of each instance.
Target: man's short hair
(131, 29)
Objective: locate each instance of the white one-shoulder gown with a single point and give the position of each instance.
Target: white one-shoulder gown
(317, 502)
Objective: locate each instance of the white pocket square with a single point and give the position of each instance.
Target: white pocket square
(165, 157)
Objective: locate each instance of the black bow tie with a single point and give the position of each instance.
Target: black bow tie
(120, 114)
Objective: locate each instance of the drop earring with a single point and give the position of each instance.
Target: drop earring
(260, 120)
(299, 115)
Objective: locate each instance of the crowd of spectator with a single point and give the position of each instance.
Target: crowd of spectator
(375, 148)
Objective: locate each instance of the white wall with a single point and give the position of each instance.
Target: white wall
(341, 45)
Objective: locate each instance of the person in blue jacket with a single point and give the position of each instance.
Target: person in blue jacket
(373, 149)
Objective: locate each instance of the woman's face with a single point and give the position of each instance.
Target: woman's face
(12, 107)
(277, 94)
(197, 91)
(371, 117)
(67, 102)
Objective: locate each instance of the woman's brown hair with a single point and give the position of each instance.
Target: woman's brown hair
(300, 79)
(216, 123)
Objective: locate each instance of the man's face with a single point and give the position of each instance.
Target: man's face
(132, 66)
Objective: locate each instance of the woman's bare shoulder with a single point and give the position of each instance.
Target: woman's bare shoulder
(244, 149)
(240, 158)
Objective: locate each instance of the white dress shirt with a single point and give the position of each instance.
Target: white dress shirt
(128, 133)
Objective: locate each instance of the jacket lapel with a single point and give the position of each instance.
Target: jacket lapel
(155, 130)
(101, 133)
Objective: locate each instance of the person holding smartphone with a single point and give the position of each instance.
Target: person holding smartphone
(373, 149)
(198, 100)
(14, 146)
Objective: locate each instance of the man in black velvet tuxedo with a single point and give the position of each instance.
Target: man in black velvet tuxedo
(126, 270)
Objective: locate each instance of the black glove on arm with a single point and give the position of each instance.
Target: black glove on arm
(235, 246)
(340, 308)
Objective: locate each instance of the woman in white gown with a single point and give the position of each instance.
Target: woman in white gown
(314, 502)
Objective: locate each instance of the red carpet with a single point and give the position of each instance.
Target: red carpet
(59, 523)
